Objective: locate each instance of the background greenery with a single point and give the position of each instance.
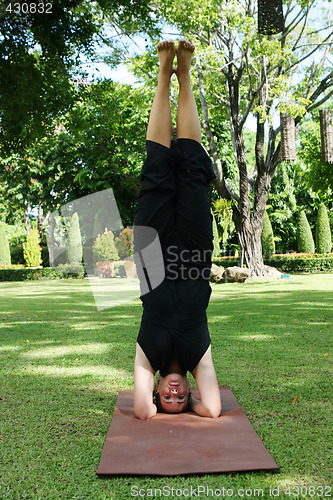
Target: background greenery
(66, 134)
(62, 364)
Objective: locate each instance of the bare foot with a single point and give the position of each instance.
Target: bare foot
(166, 54)
(185, 51)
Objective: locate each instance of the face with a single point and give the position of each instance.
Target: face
(173, 390)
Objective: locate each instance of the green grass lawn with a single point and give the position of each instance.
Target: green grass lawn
(63, 362)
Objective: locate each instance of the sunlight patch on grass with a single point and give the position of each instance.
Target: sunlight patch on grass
(113, 292)
(9, 348)
(259, 336)
(66, 350)
(74, 371)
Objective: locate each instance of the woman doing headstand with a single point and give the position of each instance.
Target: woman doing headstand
(173, 337)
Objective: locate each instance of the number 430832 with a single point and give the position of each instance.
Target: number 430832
(29, 8)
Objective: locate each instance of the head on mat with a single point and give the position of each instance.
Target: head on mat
(172, 393)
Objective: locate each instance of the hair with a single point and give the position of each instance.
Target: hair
(160, 409)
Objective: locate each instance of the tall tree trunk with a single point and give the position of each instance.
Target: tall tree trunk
(50, 241)
(249, 237)
(26, 220)
(40, 219)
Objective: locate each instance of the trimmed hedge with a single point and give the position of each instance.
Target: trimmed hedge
(289, 263)
(302, 263)
(44, 273)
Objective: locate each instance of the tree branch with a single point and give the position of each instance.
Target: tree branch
(222, 185)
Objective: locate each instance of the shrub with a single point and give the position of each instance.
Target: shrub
(5, 258)
(104, 247)
(216, 240)
(290, 263)
(304, 236)
(302, 262)
(323, 231)
(74, 242)
(23, 274)
(267, 237)
(124, 243)
(16, 235)
(32, 251)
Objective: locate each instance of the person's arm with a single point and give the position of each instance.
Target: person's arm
(205, 377)
(144, 408)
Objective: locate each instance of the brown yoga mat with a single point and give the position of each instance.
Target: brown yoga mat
(172, 445)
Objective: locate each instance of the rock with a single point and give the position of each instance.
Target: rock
(216, 274)
(236, 274)
(272, 272)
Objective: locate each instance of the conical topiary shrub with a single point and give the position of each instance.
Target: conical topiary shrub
(305, 242)
(74, 241)
(323, 231)
(5, 258)
(267, 238)
(32, 251)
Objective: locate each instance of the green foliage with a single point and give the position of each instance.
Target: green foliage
(38, 59)
(124, 243)
(104, 247)
(289, 263)
(16, 234)
(222, 209)
(318, 175)
(32, 251)
(106, 131)
(305, 240)
(216, 239)
(267, 238)
(281, 205)
(46, 273)
(302, 263)
(323, 231)
(4, 247)
(74, 242)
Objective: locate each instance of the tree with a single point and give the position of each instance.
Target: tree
(99, 144)
(252, 75)
(40, 57)
(267, 238)
(74, 243)
(4, 248)
(318, 176)
(323, 231)
(32, 251)
(305, 240)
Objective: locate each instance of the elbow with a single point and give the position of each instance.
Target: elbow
(214, 412)
(144, 413)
